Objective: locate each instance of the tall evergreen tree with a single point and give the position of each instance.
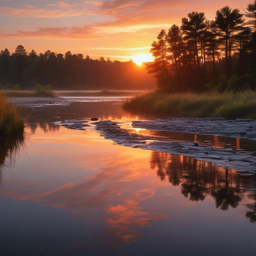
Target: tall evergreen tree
(174, 40)
(229, 22)
(20, 62)
(160, 64)
(193, 27)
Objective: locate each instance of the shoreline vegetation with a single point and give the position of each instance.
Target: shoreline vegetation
(203, 68)
(207, 55)
(11, 121)
(100, 93)
(76, 93)
(227, 104)
(39, 91)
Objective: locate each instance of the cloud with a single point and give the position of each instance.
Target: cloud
(110, 193)
(95, 31)
(124, 218)
(118, 48)
(93, 3)
(61, 4)
(54, 33)
(34, 12)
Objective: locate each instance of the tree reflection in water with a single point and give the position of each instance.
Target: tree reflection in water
(199, 179)
(45, 126)
(8, 149)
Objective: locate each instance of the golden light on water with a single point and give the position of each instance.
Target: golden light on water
(139, 59)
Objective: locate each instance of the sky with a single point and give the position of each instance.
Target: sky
(115, 29)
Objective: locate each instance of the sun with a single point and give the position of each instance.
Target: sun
(139, 59)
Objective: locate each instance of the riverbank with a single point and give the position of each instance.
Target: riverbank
(70, 93)
(11, 121)
(28, 93)
(91, 93)
(226, 157)
(227, 105)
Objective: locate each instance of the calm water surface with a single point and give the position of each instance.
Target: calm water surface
(69, 192)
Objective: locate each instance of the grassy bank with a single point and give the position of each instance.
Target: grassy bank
(98, 93)
(51, 93)
(228, 105)
(28, 93)
(11, 122)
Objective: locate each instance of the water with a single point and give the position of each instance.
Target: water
(69, 192)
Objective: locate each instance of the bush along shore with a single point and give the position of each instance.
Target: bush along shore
(11, 121)
(39, 91)
(227, 105)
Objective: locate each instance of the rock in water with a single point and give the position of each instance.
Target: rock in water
(94, 119)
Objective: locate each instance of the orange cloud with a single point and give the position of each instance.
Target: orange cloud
(140, 19)
(34, 12)
(61, 4)
(129, 215)
(55, 32)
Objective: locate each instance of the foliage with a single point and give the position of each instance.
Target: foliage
(222, 83)
(11, 122)
(203, 54)
(44, 91)
(227, 104)
(16, 87)
(235, 83)
(70, 71)
(39, 91)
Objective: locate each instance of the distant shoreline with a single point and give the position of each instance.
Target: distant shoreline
(59, 93)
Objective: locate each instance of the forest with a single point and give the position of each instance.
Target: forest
(22, 70)
(201, 54)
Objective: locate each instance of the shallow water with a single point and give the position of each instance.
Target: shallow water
(70, 192)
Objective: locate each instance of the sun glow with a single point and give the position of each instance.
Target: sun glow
(139, 59)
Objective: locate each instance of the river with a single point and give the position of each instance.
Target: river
(72, 192)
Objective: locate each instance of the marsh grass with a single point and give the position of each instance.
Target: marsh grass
(97, 93)
(15, 94)
(39, 91)
(228, 105)
(11, 122)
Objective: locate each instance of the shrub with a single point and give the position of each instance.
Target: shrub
(249, 81)
(38, 88)
(235, 83)
(16, 87)
(44, 91)
(222, 83)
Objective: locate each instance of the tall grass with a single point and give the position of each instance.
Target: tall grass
(228, 105)
(97, 93)
(11, 122)
(39, 91)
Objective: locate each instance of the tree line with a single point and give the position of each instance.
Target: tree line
(69, 71)
(203, 54)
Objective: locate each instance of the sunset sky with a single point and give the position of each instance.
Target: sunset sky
(119, 29)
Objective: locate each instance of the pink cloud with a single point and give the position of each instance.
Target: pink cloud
(34, 12)
(124, 218)
(61, 4)
(56, 33)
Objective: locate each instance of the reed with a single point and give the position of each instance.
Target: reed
(229, 105)
(11, 122)
(28, 93)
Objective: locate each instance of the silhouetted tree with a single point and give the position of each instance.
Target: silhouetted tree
(20, 62)
(193, 27)
(160, 64)
(229, 22)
